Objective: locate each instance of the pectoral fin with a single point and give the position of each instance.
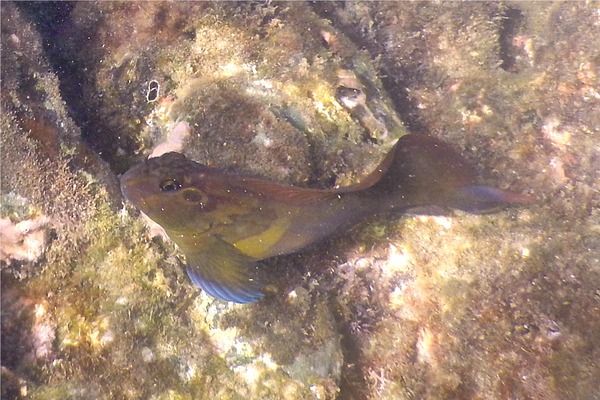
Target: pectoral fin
(225, 273)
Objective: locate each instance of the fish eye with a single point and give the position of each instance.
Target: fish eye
(169, 185)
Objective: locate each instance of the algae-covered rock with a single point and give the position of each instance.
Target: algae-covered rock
(92, 313)
(269, 89)
(448, 306)
(499, 306)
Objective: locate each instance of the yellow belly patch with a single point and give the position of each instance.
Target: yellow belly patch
(258, 246)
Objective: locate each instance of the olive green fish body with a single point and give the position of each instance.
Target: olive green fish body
(225, 223)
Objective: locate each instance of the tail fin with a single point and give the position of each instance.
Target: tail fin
(427, 172)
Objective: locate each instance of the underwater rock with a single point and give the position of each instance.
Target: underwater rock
(95, 314)
(24, 241)
(431, 307)
(272, 90)
(504, 306)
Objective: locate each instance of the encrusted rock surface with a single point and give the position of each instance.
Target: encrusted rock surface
(452, 306)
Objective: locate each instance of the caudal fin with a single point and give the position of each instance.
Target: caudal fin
(426, 171)
(481, 199)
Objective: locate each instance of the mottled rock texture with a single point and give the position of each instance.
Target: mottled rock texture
(451, 306)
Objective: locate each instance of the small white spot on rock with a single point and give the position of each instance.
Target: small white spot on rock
(147, 355)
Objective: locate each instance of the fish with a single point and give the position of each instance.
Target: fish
(226, 223)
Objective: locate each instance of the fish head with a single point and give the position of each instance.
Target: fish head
(170, 189)
(192, 202)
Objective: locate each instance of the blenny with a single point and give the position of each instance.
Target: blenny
(225, 223)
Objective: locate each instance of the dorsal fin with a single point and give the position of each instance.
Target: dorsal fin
(292, 195)
(374, 176)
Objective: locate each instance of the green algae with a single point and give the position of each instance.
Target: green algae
(218, 69)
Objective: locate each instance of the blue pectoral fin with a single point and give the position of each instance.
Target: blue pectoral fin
(225, 273)
(482, 199)
(240, 292)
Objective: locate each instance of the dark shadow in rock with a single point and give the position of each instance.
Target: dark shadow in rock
(510, 28)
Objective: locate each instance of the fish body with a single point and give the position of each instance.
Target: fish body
(225, 223)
